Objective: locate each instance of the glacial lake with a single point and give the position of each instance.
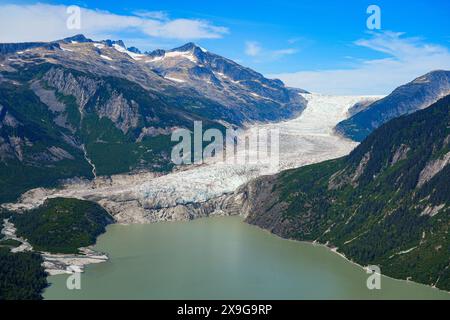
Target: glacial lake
(222, 258)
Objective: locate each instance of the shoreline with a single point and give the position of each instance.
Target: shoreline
(57, 264)
(334, 250)
(241, 219)
(54, 263)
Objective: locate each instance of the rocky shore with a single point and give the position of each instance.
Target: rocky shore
(55, 263)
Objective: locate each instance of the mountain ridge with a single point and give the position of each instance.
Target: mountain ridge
(247, 95)
(415, 95)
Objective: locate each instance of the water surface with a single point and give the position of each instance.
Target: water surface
(222, 258)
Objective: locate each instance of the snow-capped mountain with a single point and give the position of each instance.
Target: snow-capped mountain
(222, 79)
(239, 95)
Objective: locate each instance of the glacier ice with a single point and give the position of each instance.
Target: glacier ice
(146, 197)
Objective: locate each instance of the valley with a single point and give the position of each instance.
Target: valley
(209, 189)
(85, 141)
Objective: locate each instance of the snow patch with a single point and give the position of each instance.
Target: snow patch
(135, 56)
(155, 59)
(106, 57)
(65, 49)
(224, 76)
(175, 79)
(181, 54)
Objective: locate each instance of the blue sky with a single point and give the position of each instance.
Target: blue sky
(323, 46)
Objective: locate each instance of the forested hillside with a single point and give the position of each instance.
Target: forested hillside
(387, 203)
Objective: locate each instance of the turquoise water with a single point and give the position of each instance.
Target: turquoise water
(222, 258)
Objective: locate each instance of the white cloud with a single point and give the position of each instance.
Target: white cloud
(255, 50)
(185, 29)
(252, 48)
(158, 15)
(407, 58)
(44, 22)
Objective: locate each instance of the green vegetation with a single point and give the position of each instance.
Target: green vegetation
(369, 204)
(21, 275)
(58, 226)
(113, 152)
(29, 166)
(62, 225)
(4, 214)
(10, 243)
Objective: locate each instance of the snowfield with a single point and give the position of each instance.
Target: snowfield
(145, 197)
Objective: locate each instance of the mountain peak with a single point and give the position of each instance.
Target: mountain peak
(191, 47)
(134, 50)
(186, 47)
(77, 38)
(421, 92)
(432, 75)
(111, 43)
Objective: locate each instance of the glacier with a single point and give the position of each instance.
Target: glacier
(210, 188)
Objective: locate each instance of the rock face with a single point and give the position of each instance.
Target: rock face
(387, 203)
(82, 88)
(361, 106)
(432, 168)
(413, 96)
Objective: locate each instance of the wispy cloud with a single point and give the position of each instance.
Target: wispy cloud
(255, 50)
(252, 48)
(185, 29)
(158, 15)
(406, 58)
(44, 22)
